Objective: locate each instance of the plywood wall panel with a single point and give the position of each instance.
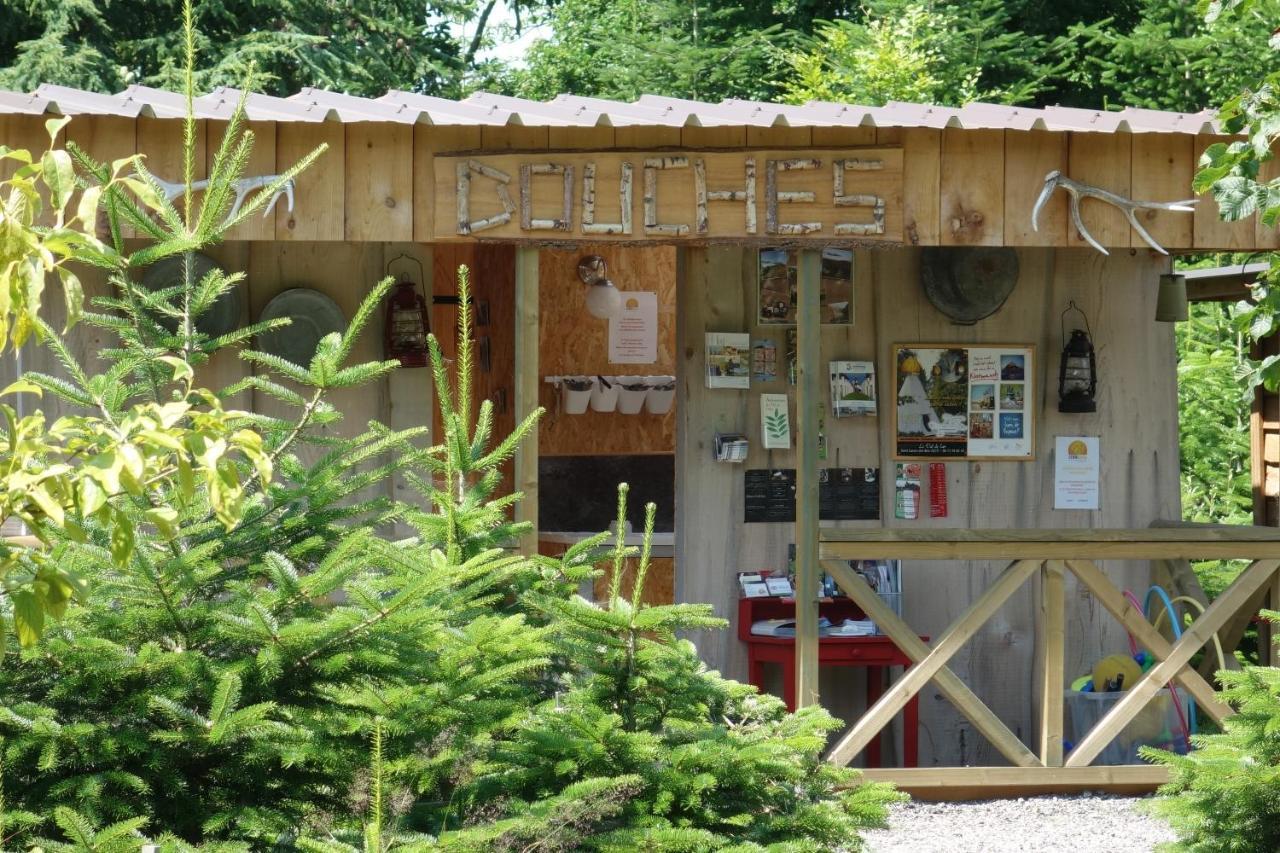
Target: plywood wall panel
(640, 136)
(580, 138)
(1028, 157)
(575, 343)
(345, 273)
(972, 188)
(781, 137)
(921, 172)
(378, 196)
(321, 209)
(1162, 171)
(1100, 160)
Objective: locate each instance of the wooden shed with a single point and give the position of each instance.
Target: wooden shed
(697, 209)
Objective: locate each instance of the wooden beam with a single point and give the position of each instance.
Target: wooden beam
(808, 405)
(1224, 542)
(1153, 680)
(960, 631)
(1131, 618)
(526, 391)
(956, 691)
(975, 783)
(1051, 650)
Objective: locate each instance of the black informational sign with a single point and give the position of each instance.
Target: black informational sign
(849, 494)
(770, 495)
(844, 494)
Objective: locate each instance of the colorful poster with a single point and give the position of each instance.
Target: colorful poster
(1076, 469)
(853, 388)
(964, 402)
(777, 285)
(728, 355)
(633, 332)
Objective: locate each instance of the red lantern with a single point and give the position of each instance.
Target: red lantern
(407, 323)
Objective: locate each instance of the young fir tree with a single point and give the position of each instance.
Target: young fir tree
(1222, 795)
(231, 659)
(641, 747)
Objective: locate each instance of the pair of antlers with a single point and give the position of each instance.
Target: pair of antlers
(1128, 207)
(244, 186)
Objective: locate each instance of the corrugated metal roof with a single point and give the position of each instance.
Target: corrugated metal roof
(482, 108)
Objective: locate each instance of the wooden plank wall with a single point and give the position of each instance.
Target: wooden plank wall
(575, 343)
(342, 271)
(963, 187)
(1136, 418)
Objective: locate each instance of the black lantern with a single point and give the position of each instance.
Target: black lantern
(407, 324)
(1078, 369)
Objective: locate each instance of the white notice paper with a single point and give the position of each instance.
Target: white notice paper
(633, 333)
(1075, 472)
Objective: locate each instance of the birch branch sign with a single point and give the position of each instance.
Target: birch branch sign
(707, 196)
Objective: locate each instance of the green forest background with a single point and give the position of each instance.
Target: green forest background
(1157, 54)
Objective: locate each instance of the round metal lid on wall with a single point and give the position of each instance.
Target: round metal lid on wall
(222, 317)
(312, 315)
(968, 283)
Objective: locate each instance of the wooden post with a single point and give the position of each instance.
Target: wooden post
(808, 376)
(526, 391)
(1052, 651)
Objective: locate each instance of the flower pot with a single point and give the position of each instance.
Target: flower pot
(575, 393)
(632, 391)
(662, 393)
(604, 394)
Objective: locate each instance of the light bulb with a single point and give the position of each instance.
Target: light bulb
(604, 300)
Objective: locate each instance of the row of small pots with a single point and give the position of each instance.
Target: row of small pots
(626, 395)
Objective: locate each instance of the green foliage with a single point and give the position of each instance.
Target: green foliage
(1213, 403)
(1169, 59)
(1221, 797)
(144, 427)
(660, 47)
(643, 748)
(923, 51)
(278, 46)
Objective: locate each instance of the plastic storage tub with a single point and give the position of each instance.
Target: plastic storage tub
(1156, 725)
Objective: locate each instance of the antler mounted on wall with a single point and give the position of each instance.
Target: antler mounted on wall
(244, 186)
(1077, 190)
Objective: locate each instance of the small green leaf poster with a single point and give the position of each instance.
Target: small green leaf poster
(775, 424)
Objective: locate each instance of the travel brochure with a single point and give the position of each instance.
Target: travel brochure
(964, 402)
(728, 360)
(853, 388)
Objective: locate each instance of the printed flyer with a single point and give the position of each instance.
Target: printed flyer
(964, 402)
(728, 360)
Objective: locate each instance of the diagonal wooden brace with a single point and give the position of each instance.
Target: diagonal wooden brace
(931, 664)
(1148, 637)
(1136, 698)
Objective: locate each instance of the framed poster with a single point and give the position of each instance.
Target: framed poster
(964, 402)
(777, 286)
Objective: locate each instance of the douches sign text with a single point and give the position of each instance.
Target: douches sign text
(827, 196)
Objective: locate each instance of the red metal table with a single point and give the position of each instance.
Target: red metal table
(876, 653)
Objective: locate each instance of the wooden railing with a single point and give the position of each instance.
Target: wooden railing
(1051, 554)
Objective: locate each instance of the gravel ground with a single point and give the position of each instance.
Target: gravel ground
(1032, 825)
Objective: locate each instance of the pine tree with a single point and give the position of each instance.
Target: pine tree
(1222, 795)
(642, 748)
